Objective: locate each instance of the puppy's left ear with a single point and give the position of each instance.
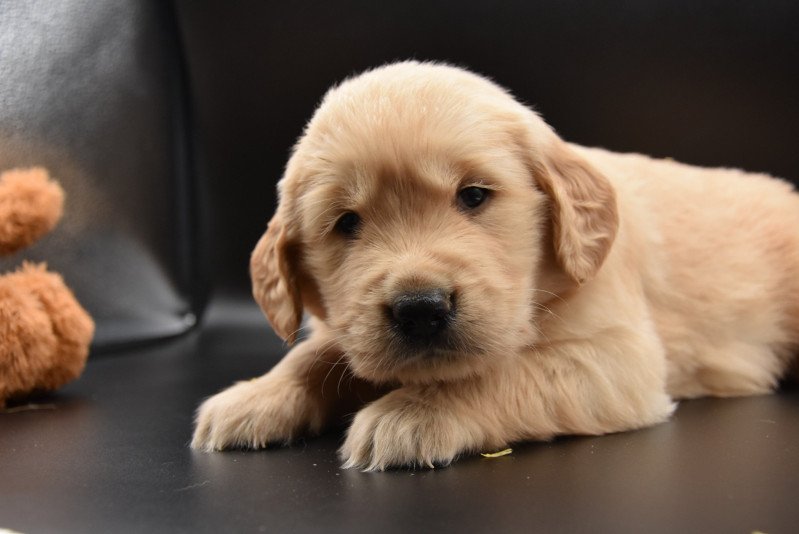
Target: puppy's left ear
(584, 211)
(274, 283)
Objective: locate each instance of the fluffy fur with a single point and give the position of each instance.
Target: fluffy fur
(593, 288)
(44, 332)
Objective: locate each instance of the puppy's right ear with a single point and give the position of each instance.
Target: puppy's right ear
(274, 283)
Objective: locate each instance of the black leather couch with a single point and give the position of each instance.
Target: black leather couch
(168, 124)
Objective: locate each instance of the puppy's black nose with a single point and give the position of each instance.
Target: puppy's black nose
(420, 316)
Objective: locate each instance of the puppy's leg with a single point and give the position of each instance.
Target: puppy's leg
(612, 382)
(303, 393)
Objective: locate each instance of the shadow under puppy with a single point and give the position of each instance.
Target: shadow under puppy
(504, 284)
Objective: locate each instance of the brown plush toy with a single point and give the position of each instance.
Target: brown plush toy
(44, 332)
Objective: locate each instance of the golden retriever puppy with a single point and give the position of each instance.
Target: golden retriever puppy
(500, 284)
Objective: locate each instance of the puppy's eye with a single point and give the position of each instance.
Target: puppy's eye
(348, 224)
(471, 197)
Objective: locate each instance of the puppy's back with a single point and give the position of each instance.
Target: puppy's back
(721, 254)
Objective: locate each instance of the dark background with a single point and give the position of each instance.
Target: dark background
(709, 83)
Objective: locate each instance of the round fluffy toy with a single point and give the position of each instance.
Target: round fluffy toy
(44, 332)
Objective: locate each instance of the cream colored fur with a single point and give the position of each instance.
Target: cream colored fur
(593, 288)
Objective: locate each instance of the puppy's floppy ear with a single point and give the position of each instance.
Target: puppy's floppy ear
(584, 213)
(274, 282)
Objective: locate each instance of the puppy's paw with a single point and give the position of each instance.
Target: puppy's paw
(256, 413)
(402, 430)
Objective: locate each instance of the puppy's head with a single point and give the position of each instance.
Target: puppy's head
(417, 216)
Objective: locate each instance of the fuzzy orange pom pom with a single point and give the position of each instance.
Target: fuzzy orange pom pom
(44, 332)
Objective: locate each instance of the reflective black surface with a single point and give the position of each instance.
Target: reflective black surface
(109, 454)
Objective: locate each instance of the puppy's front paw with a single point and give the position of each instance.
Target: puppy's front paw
(400, 430)
(256, 413)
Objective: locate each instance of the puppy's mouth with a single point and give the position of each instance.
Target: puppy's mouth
(420, 336)
(446, 356)
(445, 345)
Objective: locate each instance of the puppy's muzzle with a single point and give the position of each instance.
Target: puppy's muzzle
(422, 317)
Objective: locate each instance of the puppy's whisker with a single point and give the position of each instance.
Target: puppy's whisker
(294, 334)
(327, 345)
(548, 293)
(546, 309)
(324, 380)
(319, 354)
(347, 371)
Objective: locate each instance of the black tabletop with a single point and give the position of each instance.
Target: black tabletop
(110, 453)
